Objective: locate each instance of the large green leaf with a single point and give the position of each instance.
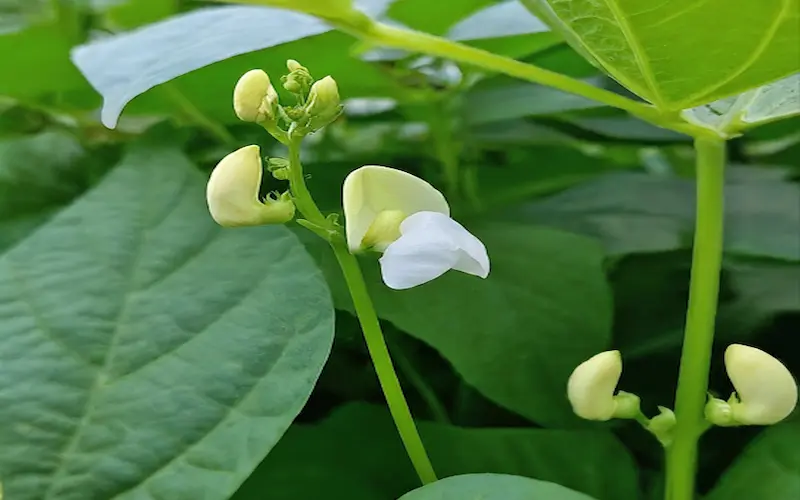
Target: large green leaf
(666, 53)
(146, 352)
(769, 469)
(38, 175)
(124, 66)
(634, 212)
(517, 335)
(320, 461)
(492, 487)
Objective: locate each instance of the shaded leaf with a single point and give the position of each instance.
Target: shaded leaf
(147, 353)
(769, 469)
(315, 461)
(517, 335)
(38, 175)
(633, 212)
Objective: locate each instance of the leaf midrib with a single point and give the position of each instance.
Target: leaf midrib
(639, 55)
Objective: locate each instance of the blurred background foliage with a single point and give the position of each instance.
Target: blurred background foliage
(586, 212)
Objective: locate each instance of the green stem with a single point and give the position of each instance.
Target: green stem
(415, 41)
(699, 336)
(379, 353)
(365, 311)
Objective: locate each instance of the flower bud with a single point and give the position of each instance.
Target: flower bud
(323, 104)
(718, 412)
(591, 386)
(298, 80)
(663, 425)
(254, 97)
(232, 193)
(279, 168)
(766, 392)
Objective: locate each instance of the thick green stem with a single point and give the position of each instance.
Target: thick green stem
(379, 353)
(699, 336)
(376, 344)
(415, 41)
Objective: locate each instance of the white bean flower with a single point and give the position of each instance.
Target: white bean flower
(408, 220)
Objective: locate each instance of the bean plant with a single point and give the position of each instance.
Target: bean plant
(367, 250)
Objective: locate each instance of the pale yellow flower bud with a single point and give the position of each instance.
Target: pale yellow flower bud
(254, 97)
(591, 386)
(766, 392)
(232, 193)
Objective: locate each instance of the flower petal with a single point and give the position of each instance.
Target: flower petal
(372, 189)
(431, 244)
(472, 256)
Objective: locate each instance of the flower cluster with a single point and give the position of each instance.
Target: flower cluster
(386, 210)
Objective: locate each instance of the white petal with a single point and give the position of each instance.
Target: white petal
(431, 244)
(371, 189)
(472, 256)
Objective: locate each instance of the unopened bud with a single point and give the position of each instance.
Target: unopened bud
(293, 65)
(298, 80)
(766, 392)
(232, 193)
(254, 97)
(718, 412)
(384, 230)
(663, 425)
(279, 168)
(323, 104)
(591, 386)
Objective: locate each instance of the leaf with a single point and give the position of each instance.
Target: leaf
(127, 65)
(492, 487)
(28, 196)
(666, 53)
(769, 469)
(433, 17)
(755, 107)
(497, 21)
(632, 212)
(517, 335)
(42, 67)
(146, 352)
(316, 461)
(518, 100)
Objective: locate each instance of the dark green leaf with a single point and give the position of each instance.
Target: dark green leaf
(38, 175)
(643, 213)
(769, 469)
(315, 461)
(146, 352)
(517, 335)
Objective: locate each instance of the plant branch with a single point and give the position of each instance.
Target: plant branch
(367, 317)
(415, 41)
(700, 318)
